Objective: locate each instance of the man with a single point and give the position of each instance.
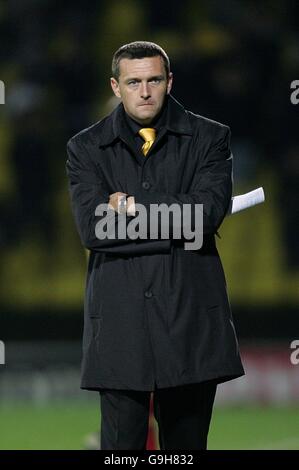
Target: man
(157, 316)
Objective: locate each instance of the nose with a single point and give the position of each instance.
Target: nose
(145, 90)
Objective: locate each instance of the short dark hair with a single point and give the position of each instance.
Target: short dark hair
(138, 50)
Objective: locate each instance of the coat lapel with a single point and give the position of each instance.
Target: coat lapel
(115, 128)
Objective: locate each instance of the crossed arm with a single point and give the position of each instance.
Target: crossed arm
(212, 187)
(87, 192)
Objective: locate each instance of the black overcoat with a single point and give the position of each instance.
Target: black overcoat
(155, 315)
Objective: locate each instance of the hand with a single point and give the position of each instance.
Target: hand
(131, 205)
(114, 203)
(114, 200)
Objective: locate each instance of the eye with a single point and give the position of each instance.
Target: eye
(132, 82)
(156, 80)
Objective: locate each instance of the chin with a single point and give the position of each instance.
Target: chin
(147, 115)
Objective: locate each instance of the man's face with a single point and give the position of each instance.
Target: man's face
(142, 86)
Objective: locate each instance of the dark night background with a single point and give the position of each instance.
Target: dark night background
(234, 62)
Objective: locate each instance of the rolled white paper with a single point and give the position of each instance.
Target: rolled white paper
(244, 201)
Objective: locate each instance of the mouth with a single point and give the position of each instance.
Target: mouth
(146, 104)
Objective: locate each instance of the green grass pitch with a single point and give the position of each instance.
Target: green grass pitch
(66, 425)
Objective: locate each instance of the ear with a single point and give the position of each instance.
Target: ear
(115, 87)
(169, 82)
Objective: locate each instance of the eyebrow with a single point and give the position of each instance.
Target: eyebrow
(154, 77)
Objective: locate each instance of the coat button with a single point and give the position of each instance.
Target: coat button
(146, 185)
(148, 294)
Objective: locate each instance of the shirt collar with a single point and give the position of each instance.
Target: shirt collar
(174, 118)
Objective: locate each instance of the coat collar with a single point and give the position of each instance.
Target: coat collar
(177, 121)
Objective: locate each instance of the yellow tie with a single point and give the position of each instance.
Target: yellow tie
(148, 134)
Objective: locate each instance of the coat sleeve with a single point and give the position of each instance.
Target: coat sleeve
(211, 186)
(87, 191)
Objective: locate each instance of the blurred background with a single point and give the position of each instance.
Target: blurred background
(233, 62)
